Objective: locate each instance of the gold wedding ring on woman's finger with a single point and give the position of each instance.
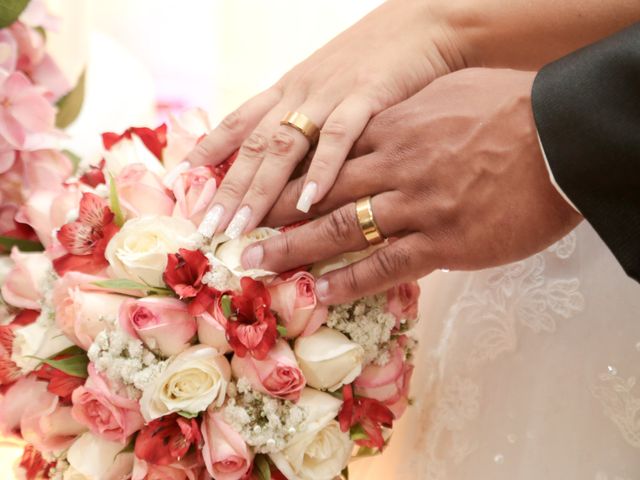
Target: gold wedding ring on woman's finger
(303, 124)
(367, 222)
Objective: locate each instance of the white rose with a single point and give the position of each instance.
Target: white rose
(92, 457)
(328, 359)
(139, 250)
(193, 380)
(228, 253)
(320, 450)
(35, 341)
(129, 151)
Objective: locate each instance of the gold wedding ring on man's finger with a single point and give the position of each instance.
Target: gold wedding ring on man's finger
(303, 124)
(367, 222)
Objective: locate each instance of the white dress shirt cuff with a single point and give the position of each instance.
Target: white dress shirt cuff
(552, 178)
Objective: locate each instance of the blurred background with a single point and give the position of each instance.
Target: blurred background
(145, 58)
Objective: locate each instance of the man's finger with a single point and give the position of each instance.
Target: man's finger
(326, 237)
(402, 260)
(358, 178)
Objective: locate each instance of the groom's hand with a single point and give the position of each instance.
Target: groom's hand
(458, 181)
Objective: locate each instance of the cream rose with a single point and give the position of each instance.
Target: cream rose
(193, 380)
(35, 341)
(139, 250)
(328, 359)
(228, 253)
(320, 450)
(92, 457)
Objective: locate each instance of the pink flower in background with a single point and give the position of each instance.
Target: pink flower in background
(44, 168)
(277, 375)
(190, 468)
(295, 301)
(104, 411)
(8, 51)
(225, 453)
(185, 131)
(142, 192)
(162, 323)
(211, 320)
(25, 110)
(402, 302)
(23, 286)
(194, 190)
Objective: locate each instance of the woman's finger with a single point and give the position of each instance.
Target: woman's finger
(342, 128)
(225, 139)
(402, 260)
(287, 147)
(358, 178)
(324, 238)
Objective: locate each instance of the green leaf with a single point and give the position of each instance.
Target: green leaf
(345, 473)
(10, 10)
(358, 433)
(264, 470)
(367, 452)
(75, 159)
(184, 414)
(282, 330)
(225, 303)
(70, 105)
(24, 245)
(114, 202)
(75, 366)
(126, 284)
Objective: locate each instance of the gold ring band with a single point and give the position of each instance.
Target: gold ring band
(367, 222)
(303, 124)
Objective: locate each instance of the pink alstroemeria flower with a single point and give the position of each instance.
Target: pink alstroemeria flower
(23, 109)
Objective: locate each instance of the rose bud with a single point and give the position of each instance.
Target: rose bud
(162, 323)
(295, 302)
(328, 359)
(277, 375)
(225, 453)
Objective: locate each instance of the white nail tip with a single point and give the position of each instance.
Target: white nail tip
(307, 197)
(211, 221)
(239, 223)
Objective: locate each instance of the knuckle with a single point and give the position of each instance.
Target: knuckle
(231, 188)
(339, 225)
(259, 190)
(351, 282)
(254, 146)
(201, 150)
(281, 143)
(322, 163)
(389, 264)
(234, 122)
(335, 131)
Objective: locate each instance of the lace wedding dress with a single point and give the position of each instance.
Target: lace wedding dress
(524, 372)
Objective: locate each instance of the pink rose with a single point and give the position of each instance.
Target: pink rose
(8, 50)
(189, 468)
(23, 285)
(277, 375)
(44, 168)
(388, 383)
(142, 193)
(402, 302)
(184, 133)
(194, 190)
(103, 411)
(38, 414)
(162, 323)
(225, 453)
(295, 302)
(212, 327)
(82, 309)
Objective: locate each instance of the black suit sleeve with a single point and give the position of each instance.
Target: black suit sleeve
(587, 110)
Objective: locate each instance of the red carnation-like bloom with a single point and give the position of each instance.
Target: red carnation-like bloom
(154, 139)
(167, 439)
(370, 414)
(34, 466)
(9, 371)
(252, 326)
(58, 382)
(184, 272)
(87, 238)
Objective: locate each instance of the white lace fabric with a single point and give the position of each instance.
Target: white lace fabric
(524, 372)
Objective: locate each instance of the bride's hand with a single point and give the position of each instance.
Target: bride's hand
(457, 177)
(383, 59)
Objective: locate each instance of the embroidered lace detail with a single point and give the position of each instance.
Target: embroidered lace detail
(621, 405)
(494, 310)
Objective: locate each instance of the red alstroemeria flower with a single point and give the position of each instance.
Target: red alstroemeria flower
(167, 439)
(220, 170)
(252, 327)
(86, 239)
(34, 466)
(370, 414)
(94, 176)
(184, 272)
(59, 383)
(9, 371)
(154, 139)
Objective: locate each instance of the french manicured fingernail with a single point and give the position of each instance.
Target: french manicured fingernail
(211, 220)
(239, 222)
(322, 289)
(252, 258)
(307, 196)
